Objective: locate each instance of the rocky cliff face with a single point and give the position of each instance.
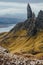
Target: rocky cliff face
(29, 11)
(28, 25)
(39, 20)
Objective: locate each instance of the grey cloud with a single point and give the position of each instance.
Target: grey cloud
(32, 1)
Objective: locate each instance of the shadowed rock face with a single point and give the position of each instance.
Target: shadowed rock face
(28, 25)
(39, 20)
(29, 12)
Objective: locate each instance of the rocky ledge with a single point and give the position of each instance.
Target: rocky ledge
(17, 59)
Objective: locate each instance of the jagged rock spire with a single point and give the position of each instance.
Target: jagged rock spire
(29, 11)
(39, 20)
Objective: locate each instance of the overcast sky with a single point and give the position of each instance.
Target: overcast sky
(33, 1)
(18, 8)
(15, 7)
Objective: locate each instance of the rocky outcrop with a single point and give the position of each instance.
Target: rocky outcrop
(33, 15)
(3, 50)
(28, 25)
(39, 20)
(29, 12)
(21, 59)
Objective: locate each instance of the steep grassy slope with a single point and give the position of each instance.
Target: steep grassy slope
(28, 44)
(2, 35)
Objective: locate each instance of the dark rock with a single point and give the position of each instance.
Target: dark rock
(33, 31)
(39, 20)
(33, 15)
(17, 27)
(6, 51)
(28, 25)
(29, 12)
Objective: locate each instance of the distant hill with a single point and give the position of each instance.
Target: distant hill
(5, 20)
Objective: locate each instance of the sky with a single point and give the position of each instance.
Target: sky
(32, 1)
(18, 8)
(6, 29)
(13, 9)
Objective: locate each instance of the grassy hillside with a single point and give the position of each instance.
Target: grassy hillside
(21, 39)
(23, 43)
(2, 35)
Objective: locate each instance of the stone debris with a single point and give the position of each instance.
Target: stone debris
(3, 50)
(10, 59)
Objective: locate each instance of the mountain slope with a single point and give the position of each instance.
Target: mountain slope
(23, 40)
(25, 37)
